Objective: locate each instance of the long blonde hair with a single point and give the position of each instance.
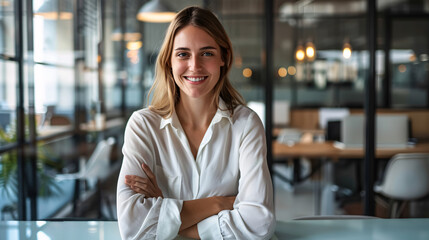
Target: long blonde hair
(166, 93)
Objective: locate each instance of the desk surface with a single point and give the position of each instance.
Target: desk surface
(90, 126)
(51, 130)
(381, 229)
(327, 149)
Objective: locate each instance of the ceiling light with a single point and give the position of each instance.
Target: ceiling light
(300, 54)
(135, 45)
(55, 10)
(282, 72)
(310, 51)
(155, 11)
(127, 36)
(291, 70)
(347, 50)
(5, 3)
(247, 72)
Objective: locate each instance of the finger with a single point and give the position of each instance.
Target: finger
(131, 183)
(138, 188)
(149, 173)
(140, 191)
(146, 187)
(146, 192)
(134, 178)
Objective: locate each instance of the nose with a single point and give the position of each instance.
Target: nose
(195, 63)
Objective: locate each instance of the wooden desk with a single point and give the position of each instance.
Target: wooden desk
(52, 130)
(90, 127)
(322, 150)
(327, 149)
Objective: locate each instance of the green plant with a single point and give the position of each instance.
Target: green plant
(47, 185)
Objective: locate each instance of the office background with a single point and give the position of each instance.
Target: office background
(72, 71)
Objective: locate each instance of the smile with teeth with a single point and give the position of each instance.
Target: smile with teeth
(195, 79)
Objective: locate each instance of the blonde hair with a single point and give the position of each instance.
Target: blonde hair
(166, 93)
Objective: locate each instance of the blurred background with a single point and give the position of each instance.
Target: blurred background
(72, 72)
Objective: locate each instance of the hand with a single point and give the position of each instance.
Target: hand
(225, 203)
(196, 210)
(146, 186)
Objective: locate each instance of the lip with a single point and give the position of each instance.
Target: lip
(195, 80)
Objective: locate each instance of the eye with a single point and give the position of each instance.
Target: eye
(182, 54)
(208, 54)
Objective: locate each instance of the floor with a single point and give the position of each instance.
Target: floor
(292, 202)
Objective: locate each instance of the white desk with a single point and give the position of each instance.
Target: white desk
(359, 229)
(380, 229)
(69, 230)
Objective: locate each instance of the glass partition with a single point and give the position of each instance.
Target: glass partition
(409, 62)
(8, 94)
(7, 31)
(320, 57)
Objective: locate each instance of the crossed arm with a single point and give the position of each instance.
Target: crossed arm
(193, 211)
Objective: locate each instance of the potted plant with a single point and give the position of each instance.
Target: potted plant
(46, 162)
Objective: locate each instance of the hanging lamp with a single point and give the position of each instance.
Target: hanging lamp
(300, 53)
(347, 50)
(117, 35)
(310, 51)
(155, 11)
(5, 3)
(55, 10)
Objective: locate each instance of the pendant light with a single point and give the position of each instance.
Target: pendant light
(55, 10)
(129, 33)
(4, 3)
(127, 36)
(347, 50)
(155, 11)
(310, 51)
(300, 54)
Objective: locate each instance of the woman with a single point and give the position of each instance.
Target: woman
(195, 160)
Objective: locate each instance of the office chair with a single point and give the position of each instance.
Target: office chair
(406, 179)
(92, 171)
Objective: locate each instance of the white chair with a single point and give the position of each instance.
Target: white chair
(406, 178)
(97, 165)
(92, 171)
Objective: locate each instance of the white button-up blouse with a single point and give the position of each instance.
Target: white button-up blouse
(231, 161)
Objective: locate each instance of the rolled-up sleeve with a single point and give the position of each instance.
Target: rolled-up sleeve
(253, 214)
(140, 217)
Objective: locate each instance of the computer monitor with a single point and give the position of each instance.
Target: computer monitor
(281, 111)
(331, 114)
(391, 131)
(280, 115)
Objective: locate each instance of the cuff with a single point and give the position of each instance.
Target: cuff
(209, 228)
(169, 218)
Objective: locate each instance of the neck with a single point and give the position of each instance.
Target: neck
(195, 112)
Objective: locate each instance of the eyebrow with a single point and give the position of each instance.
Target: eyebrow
(187, 49)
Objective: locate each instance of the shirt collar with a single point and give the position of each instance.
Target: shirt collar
(222, 112)
(173, 120)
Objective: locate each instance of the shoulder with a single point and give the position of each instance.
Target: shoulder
(145, 117)
(245, 115)
(243, 112)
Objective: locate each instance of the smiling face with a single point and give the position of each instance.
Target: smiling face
(196, 62)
